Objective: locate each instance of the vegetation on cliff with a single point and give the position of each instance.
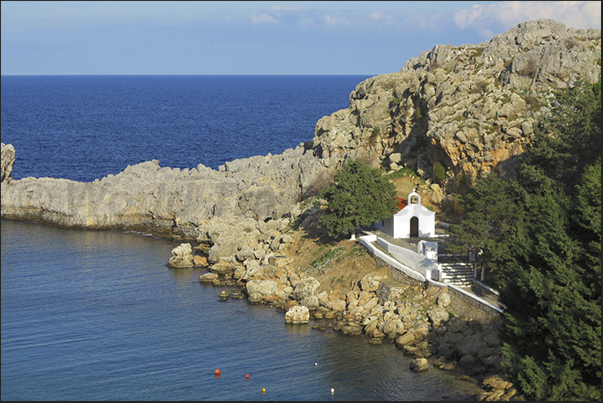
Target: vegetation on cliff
(360, 195)
(540, 237)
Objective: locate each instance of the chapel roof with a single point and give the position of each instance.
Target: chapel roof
(402, 202)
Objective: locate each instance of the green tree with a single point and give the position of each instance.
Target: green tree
(551, 289)
(568, 140)
(359, 195)
(541, 233)
(552, 299)
(491, 220)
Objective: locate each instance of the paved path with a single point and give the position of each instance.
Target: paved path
(412, 244)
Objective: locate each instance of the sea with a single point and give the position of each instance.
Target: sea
(97, 315)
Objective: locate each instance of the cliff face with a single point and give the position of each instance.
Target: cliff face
(6, 163)
(469, 108)
(162, 200)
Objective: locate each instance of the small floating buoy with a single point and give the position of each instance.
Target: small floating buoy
(332, 390)
(263, 390)
(315, 363)
(217, 372)
(247, 376)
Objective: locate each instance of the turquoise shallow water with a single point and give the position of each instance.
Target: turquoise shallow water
(97, 315)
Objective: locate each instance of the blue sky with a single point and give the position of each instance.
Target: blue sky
(254, 37)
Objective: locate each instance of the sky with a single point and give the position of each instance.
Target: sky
(254, 37)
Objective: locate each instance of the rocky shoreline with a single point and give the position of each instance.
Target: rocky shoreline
(465, 111)
(412, 317)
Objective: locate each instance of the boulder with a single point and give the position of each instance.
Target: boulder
(437, 315)
(495, 382)
(298, 314)
(419, 365)
(200, 261)
(182, 256)
(369, 284)
(393, 328)
(405, 340)
(441, 363)
(253, 270)
(208, 277)
(467, 361)
(311, 302)
(306, 287)
(222, 268)
(263, 288)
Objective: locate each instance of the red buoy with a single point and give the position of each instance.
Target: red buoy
(218, 372)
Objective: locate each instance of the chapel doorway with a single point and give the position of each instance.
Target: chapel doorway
(414, 226)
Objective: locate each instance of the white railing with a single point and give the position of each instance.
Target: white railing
(414, 265)
(367, 242)
(411, 259)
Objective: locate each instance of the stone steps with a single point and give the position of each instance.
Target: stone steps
(460, 274)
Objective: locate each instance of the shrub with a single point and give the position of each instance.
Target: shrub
(439, 171)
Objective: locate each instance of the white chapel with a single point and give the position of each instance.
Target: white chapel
(413, 220)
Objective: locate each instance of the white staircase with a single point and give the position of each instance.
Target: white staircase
(460, 274)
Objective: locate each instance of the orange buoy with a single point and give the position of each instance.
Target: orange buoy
(218, 372)
(247, 376)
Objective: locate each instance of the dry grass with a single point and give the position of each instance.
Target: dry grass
(336, 264)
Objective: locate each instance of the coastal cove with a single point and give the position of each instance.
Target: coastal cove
(225, 174)
(97, 315)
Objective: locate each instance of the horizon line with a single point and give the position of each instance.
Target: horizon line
(225, 75)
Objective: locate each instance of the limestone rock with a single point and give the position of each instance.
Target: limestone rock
(311, 302)
(216, 206)
(6, 163)
(306, 287)
(222, 268)
(419, 365)
(182, 256)
(200, 261)
(261, 287)
(437, 315)
(298, 314)
(369, 283)
(472, 106)
(495, 382)
(406, 339)
(208, 277)
(443, 300)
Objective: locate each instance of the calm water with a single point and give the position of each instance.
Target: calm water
(86, 127)
(97, 315)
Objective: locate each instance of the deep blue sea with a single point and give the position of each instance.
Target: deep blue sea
(97, 315)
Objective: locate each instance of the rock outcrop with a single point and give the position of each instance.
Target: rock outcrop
(166, 201)
(182, 257)
(6, 163)
(470, 108)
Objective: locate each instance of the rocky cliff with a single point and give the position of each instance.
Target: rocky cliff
(469, 109)
(166, 201)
